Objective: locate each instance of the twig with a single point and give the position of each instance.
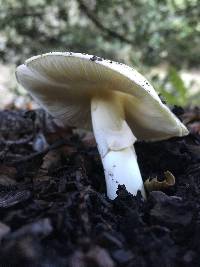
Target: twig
(98, 24)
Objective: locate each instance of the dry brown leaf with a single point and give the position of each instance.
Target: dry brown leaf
(155, 185)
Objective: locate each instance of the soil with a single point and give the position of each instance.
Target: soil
(54, 210)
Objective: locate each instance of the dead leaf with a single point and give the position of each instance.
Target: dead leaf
(155, 185)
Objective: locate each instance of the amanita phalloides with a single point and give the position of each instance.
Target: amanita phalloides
(118, 102)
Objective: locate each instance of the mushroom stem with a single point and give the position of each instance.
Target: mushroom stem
(115, 144)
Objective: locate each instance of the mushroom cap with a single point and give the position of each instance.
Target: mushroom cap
(64, 83)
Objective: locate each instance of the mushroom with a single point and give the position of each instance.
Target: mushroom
(118, 102)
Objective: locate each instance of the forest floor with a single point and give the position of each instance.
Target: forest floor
(53, 206)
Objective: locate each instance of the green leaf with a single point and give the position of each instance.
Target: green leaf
(168, 96)
(178, 86)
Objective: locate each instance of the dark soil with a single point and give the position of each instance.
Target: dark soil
(54, 211)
